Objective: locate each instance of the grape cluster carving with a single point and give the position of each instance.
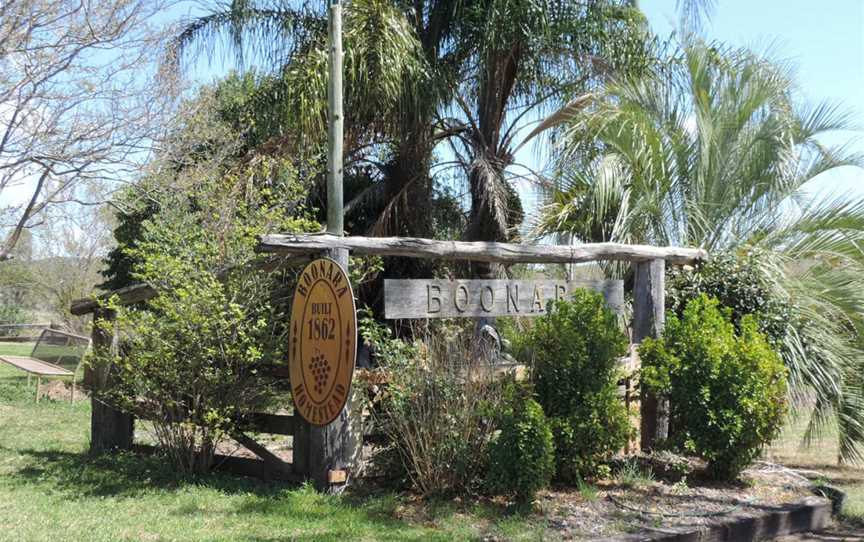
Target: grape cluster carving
(320, 368)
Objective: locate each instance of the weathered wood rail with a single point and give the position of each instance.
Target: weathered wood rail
(6, 331)
(504, 253)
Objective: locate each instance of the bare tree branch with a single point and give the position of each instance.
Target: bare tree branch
(79, 104)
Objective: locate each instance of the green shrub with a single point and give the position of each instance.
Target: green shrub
(438, 409)
(193, 357)
(522, 457)
(740, 281)
(575, 348)
(12, 314)
(727, 391)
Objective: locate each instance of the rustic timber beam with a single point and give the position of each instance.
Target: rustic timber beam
(506, 253)
(129, 295)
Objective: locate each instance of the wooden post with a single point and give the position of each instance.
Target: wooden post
(648, 319)
(110, 429)
(324, 453)
(321, 451)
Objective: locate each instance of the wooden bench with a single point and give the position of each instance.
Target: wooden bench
(56, 354)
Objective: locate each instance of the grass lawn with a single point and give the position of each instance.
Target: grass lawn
(51, 490)
(819, 462)
(16, 349)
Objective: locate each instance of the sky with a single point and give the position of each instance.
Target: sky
(824, 40)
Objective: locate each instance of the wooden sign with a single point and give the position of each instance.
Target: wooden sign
(478, 298)
(323, 344)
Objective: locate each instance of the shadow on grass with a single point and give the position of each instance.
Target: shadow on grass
(123, 474)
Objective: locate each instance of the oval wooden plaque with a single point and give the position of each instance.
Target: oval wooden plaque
(323, 344)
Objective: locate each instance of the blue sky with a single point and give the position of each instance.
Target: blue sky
(824, 40)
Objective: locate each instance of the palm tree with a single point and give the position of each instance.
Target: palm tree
(526, 59)
(713, 151)
(489, 63)
(389, 84)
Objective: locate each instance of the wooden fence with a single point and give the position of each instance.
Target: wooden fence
(322, 453)
(11, 332)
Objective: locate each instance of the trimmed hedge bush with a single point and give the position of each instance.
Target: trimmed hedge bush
(740, 281)
(575, 348)
(522, 457)
(727, 391)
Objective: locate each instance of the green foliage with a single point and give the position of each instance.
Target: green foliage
(438, 409)
(703, 152)
(119, 265)
(576, 347)
(727, 391)
(741, 281)
(522, 457)
(207, 161)
(389, 350)
(13, 314)
(192, 354)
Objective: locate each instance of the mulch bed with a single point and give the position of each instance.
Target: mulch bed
(656, 507)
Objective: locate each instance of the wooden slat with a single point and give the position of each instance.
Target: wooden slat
(277, 424)
(35, 366)
(126, 296)
(506, 253)
(273, 462)
(258, 422)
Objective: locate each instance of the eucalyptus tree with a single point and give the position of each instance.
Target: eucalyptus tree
(713, 150)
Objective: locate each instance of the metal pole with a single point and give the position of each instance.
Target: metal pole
(335, 123)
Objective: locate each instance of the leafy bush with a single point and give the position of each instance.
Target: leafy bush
(438, 410)
(12, 314)
(575, 348)
(727, 391)
(740, 281)
(191, 356)
(522, 457)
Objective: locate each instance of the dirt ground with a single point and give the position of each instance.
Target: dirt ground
(61, 390)
(652, 506)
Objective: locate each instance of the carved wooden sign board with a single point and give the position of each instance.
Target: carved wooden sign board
(323, 341)
(478, 298)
